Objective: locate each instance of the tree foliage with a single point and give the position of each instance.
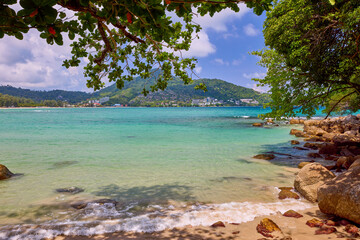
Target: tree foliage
(119, 39)
(313, 56)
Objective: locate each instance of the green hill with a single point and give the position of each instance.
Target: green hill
(177, 91)
(38, 96)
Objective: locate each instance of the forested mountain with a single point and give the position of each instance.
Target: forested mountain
(176, 90)
(38, 96)
(131, 93)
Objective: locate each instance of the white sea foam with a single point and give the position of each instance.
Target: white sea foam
(164, 218)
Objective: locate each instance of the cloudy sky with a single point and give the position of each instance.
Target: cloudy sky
(222, 52)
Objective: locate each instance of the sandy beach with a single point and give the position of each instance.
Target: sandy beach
(292, 228)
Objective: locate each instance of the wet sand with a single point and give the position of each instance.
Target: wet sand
(295, 228)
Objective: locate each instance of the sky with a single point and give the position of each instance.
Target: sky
(226, 39)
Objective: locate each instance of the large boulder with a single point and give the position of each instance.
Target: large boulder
(5, 172)
(340, 196)
(310, 178)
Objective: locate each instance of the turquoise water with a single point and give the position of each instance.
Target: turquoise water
(141, 157)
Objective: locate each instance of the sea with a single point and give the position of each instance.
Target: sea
(164, 167)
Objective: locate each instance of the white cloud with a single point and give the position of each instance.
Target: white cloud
(221, 61)
(200, 47)
(251, 31)
(198, 69)
(260, 89)
(219, 21)
(254, 75)
(32, 63)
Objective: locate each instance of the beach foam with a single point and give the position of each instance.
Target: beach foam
(160, 219)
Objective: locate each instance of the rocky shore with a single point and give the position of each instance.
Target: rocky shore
(329, 178)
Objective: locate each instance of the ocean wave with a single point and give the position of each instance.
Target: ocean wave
(160, 219)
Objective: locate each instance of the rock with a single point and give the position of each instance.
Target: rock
(309, 178)
(351, 229)
(355, 164)
(266, 227)
(295, 142)
(314, 223)
(5, 172)
(292, 213)
(331, 167)
(325, 230)
(329, 149)
(294, 121)
(300, 134)
(340, 196)
(313, 146)
(300, 148)
(265, 156)
(294, 131)
(218, 224)
(81, 205)
(330, 158)
(257, 124)
(314, 155)
(302, 164)
(340, 162)
(285, 193)
(344, 222)
(71, 190)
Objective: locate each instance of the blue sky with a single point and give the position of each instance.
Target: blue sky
(222, 52)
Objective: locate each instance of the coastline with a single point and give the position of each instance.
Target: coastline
(292, 228)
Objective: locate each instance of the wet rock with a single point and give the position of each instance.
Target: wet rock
(294, 131)
(331, 167)
(300, 134)
(325, 230)
(70, 190)
(329, 149)
(302, 164)
(340, 196)
(314, 155)
(63, 164)
(286, 193)
(340, 162)
(330, 158)
(314, 223)
(81, 205)
(351, 229)
(313, 146)
(266, 227)
(265, 156)
(295, 142)
(309, 178)
(5, 172)
(257, 124)
(301, 148)
(292, 213)
(218, 224)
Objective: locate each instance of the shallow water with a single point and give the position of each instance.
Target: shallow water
(170, 158)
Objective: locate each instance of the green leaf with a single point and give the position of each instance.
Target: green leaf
(19, 35)
(71, 35)
(332, 2)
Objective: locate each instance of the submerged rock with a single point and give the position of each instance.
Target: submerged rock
(267, 227)
(81, 205)
(71, 190)
(257, 124)
(5, 172)
(265, 156)
(341, 195)
(295, 142)
(310, 178)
